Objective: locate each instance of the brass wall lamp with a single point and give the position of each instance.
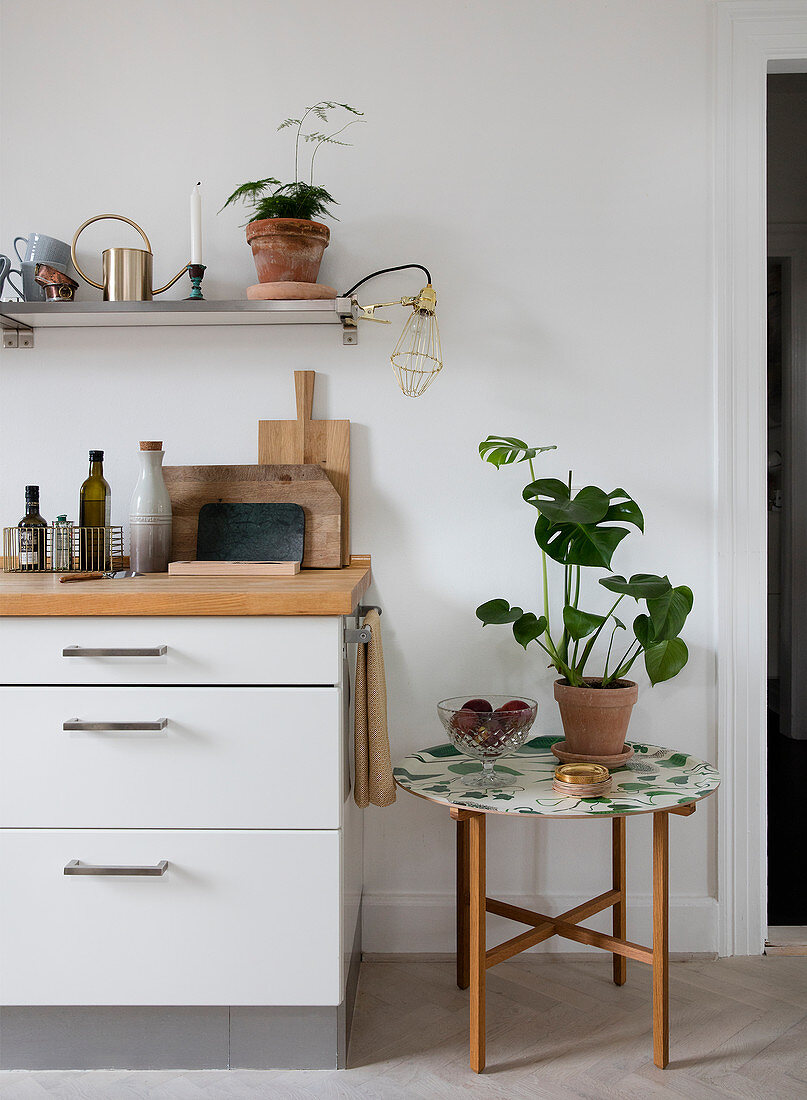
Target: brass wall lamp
(417, 358)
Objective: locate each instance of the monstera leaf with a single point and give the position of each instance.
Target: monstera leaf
(642, 586)
(497, 611)
(663, 657)
(581, 530)
(553, 498)
(623, 508)
(504, 449)
(666, 659)
(668, 612)
(529, 628)
(580, 623)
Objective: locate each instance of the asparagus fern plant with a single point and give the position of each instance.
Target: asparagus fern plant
(269, 198)
(579, 531)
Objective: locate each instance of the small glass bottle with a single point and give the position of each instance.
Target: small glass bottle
(150, 514)
(62, 545)
(33, 544)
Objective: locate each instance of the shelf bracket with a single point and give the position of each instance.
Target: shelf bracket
(18, 337)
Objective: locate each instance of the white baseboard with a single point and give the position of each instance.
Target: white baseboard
(547, 959)
(425, 923)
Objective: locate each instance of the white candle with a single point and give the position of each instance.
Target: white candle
(196, 225)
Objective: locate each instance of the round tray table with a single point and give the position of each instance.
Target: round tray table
(655, 780)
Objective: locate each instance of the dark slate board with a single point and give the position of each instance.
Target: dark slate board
(250, 532)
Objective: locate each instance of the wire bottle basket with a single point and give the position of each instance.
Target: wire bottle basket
(61, 548)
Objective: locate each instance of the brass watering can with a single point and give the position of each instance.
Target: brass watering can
(127, 272)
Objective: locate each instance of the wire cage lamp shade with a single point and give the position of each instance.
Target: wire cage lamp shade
(418, 358)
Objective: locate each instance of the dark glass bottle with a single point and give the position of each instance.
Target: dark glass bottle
(94, 506)
(33, 533)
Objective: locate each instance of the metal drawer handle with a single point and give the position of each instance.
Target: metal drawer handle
(100, 727)
(83, 651)
(76, 867)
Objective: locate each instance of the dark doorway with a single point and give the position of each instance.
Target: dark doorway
(787, 499)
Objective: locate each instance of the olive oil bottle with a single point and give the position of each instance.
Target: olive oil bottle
(94, 507)
(33, 533)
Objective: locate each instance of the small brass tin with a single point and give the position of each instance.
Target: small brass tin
(581, 773)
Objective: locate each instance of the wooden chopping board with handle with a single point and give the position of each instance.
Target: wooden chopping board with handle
(325, 443)
(190, 487)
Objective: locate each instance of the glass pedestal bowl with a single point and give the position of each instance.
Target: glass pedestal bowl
(491, 727)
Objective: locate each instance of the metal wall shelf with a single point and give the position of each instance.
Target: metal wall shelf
(20, 319)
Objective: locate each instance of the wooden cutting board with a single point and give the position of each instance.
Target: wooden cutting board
(325, 443)
(192, 486)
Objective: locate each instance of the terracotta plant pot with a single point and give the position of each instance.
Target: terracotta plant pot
(595, 719)
(287, 249)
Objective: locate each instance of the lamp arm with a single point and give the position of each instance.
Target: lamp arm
(385, 271)
(367, 312)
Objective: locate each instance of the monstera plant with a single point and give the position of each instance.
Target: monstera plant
(581, 531)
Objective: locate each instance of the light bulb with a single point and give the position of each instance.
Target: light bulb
(418, 357)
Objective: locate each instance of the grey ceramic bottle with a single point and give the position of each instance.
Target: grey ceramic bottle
(150, 514)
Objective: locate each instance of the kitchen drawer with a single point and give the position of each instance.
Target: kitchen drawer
(214, 758)
(237, 650)
(238, 918)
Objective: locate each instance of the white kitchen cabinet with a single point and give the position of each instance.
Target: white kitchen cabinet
(239, 778)
(185, 650)
(202, 758)
(238, 918)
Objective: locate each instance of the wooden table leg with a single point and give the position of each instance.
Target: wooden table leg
(618, 855)
(476, 846)
(463, 900)
(661, 962)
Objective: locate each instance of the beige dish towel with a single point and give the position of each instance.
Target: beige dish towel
(374, 782)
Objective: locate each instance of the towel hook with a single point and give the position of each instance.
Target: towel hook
(360, 635)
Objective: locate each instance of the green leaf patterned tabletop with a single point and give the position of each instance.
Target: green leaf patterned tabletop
(653, 779)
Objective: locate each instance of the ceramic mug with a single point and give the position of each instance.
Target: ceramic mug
(5, 269)
(43, 250)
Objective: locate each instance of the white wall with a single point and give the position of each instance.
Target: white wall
(551, 163)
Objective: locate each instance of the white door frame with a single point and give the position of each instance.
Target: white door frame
(753, 39)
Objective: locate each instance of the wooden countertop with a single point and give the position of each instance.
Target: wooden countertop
(310, 592)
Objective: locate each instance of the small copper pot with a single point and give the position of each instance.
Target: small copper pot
(58, 286)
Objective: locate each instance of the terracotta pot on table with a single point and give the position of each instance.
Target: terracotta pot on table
(595, 719)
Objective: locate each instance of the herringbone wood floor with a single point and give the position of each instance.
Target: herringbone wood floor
(556, 1028)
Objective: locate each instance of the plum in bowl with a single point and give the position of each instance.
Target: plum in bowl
(487, 728)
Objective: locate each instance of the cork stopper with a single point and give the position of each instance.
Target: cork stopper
(150, 445)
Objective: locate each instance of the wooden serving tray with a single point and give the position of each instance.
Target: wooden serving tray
(233, 568)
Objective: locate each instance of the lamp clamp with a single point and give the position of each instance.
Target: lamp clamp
(426, 301)
(367, 312)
